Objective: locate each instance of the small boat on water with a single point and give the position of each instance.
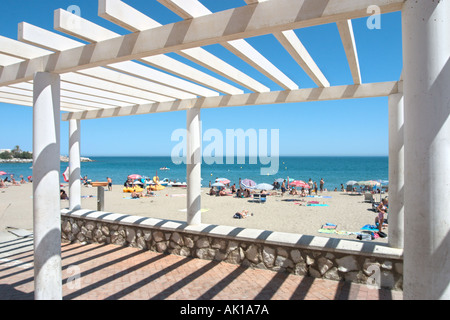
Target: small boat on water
(178, 184)
(164, 168)
(168, 183)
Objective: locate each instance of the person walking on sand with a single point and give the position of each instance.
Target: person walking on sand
(315, 187)
(321, 184)
(311, 186)
(109, 183)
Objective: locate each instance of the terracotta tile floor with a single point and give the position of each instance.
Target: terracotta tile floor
(110, 272)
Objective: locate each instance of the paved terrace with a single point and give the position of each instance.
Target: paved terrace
(110, 272)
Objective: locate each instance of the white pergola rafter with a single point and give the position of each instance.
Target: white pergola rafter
(121, 75)
(81, 28)
(190, 9)
(371, 90)
(124, 15)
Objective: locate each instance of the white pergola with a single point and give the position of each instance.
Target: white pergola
(118, 75)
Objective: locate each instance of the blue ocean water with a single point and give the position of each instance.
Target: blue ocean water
(334, 170)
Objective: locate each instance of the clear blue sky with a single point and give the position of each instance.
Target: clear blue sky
(346, 127)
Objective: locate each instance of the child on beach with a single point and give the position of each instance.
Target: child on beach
(382, 210)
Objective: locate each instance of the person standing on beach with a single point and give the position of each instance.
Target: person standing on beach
(109, 183)
(321, 184)
(311, 186)
(315, 187)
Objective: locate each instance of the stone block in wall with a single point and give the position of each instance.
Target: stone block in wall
(268, 256)
(347, 263)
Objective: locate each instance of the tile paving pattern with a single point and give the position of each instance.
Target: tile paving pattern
(110, 272)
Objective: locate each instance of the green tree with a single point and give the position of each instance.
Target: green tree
(16, 152)
(5, 155)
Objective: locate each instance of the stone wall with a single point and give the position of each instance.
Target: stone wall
(333, 259)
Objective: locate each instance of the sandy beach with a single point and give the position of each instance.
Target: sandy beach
(289, 213)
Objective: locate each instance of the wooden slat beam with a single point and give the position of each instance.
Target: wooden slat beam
(369, 90)
(190, 9)
(131, 19)
(348, 40)
(78, 27)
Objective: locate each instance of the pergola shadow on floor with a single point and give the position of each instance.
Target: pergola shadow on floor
(110, 272)
(118, 75)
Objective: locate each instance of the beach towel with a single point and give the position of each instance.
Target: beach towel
(316, 205)
(327, 230)
(328, 197)
(369, 227)
(329, 226)
(202, 210)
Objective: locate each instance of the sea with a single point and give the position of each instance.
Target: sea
(333, 169)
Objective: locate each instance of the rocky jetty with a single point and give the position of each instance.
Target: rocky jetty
(62, 159)
(82, 159)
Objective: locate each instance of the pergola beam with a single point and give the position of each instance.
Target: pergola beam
(348, 40)
(47, 39)
(9, 93)
(81, 28)
(190, 9)
(27, 89)
(115, 86)
(369, 90)
(297, 50)
(131, 19)
(237, 23)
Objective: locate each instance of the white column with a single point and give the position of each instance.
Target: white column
(193, 166)
(396, 171)
(46, 180)
(426, 58)
(74, 165)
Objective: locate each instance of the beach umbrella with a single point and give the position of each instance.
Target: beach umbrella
(223, 180)
(264, 186)
(351, 183)
(279, 180)
(218, 184)
(299, 183)
(371, 183)
(134, 176)
(247, 183)
(3, 173)
(138, 182)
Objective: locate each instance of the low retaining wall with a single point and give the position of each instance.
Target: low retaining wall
(319, 257)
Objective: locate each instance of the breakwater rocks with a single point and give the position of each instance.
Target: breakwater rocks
(82, 159)
(62, 159)
(333, 265)
(16, 160)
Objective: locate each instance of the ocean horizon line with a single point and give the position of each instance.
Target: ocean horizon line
(246, 156)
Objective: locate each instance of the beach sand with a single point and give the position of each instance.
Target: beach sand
(349, 212)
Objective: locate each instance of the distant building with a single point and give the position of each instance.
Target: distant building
(4, 150)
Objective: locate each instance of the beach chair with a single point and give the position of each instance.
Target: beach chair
(368, 197)
(256, 197)
(263, 198)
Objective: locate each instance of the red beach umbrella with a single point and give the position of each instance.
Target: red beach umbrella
(134, 176)
(299, 183)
